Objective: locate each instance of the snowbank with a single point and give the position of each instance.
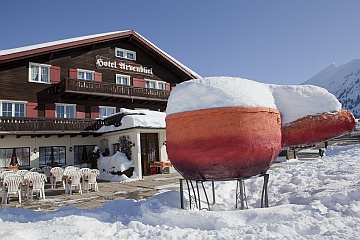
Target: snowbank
(137, 118)
(116, 163)
(293, 102)
(308, 200)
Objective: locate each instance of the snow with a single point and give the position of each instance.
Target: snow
(316, 199)
(343, 81)
(293, 102)
(137, 118)
(54, 43)
(115, 163)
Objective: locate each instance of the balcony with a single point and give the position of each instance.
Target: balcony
(86, 87)
(40, 125)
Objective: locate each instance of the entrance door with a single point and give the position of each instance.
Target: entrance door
(149, 151)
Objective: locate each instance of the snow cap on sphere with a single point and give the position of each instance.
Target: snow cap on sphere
(293, 102)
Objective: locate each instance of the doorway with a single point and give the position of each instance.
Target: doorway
(149, 151)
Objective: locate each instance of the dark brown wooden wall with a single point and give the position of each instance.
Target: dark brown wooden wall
(14, 83)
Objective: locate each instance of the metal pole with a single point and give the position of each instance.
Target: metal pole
(181, 194)
(264, 195)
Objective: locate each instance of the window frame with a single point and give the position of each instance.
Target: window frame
(125, 53)
(39, 66)
(13, 104)
(64, 105)
(52, 156)
(5, 162)
(156, 84)
(78, 154)
(161, 82)
(106, 107)
(128, 79)
(147, 81)
(86, 71)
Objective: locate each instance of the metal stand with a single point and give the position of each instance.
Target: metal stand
(195, 194)
(240, 195)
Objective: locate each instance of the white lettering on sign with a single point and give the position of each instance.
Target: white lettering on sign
(103, 62)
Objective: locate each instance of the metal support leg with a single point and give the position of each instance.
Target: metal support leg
(240, 194)
(181, 194)
(264, 195)
(213, 191)
(205, 193)
(192, 198)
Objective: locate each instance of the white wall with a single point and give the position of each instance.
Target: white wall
(10, 141)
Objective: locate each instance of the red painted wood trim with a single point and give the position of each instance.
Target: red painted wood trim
(98, 76)
(167, 86)
(54, 74)
(138, 82)
(95, 112)
(50, 110)
(73, 73)
(80, 111)
(32, 109)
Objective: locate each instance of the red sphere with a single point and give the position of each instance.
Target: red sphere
(223, 143)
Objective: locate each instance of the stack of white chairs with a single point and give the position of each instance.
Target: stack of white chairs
(91, 177)
(11, 186)
(46, 170)
(56, 175)
(84, 173)
(22, 173)
(73, 179)
(35, 184)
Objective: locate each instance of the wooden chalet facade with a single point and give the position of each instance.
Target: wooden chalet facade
(60, 92)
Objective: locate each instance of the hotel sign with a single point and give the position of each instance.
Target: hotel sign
(124, 66)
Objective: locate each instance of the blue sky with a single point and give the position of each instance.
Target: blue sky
(278, 41)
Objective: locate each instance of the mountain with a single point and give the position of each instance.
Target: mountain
(344, 82)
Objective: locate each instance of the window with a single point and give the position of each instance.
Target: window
(12, 109)
(122, 79)
(161, 85)
(115, 147)
(82, 154)
(65, 110)
(52, 154)
(150, 84)
(20, 155)
(155, 84)
(123, 53)
(39, 73)
(106, 111)
(85, 75)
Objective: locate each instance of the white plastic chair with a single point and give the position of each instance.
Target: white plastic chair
(11, 185)
(71, 168)
(73, 179)
(22, 173)
(3, 175)
(90, 179)
(56, 175)
(36, 169)
(46, 170)
(35, 184)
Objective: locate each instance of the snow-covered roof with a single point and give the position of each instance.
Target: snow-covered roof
(293, 102)
(137, 118)
(63, 42)
(54, 43)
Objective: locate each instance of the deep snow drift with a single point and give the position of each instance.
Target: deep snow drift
(315, 199)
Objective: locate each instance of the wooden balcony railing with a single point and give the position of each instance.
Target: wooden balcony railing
(31, 124)
(78, 85)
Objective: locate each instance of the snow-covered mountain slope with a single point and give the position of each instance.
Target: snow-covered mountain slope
(344, 82)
